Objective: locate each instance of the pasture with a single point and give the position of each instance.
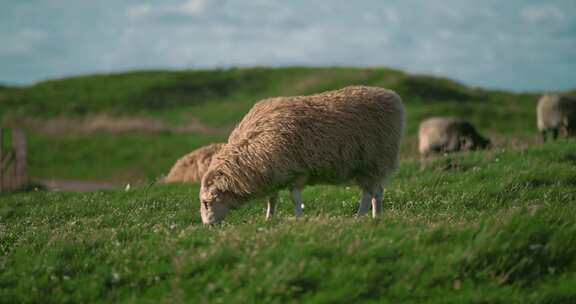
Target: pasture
(133, 126)
(499, 228)
(495, 226)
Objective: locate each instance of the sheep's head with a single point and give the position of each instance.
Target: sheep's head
(484, 143)
(474, 142)
(479, 143)
(215, 202)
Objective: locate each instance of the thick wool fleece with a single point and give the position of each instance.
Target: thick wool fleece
(555, 112)
(351, 134)
(448, 134)
(191, 167)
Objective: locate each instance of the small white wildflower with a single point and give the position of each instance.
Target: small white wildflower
(535, 246)
(127, 188)
(115, 277)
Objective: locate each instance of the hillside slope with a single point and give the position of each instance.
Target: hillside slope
(132, 126)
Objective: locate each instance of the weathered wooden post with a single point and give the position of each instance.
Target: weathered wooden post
(21, 157)
(1, 160)
(13, 161)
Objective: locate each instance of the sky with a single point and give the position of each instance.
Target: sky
(505, 44)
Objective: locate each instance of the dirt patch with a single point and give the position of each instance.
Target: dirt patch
(73, 185)
(109, 124)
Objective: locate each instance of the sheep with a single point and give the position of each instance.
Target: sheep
(448, 134)
(351, 134)
(191, 167)
(556, 113)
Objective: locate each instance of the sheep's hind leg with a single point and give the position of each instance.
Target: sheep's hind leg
(364, 205)
(271, 205)
(377, 201)
(297, 200)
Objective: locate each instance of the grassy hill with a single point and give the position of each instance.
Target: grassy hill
(495, 226)
(498, 228)
(60, 114)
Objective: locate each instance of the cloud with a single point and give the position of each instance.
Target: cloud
(392, 16)
(187, 8)
(140, 10)
(22, 41)
(539, 13)
(192, 7)
(490, 43)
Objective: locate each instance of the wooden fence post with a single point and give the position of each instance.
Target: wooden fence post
(21, 156)
(1, 160)
(13, 161)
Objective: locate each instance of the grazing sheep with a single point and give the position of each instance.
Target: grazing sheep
(448, 134)
(556, 113)
(351, 134)
(191, 167)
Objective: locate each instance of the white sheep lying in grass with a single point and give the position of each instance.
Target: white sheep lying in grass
(191, 167)
(351, 134)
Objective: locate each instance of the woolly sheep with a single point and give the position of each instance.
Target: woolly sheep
(448, 134)
(556, 113)
(351, 134)
(191, 167)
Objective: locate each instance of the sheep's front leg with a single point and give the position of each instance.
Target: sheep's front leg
(424, 161)
(364, 205)
(377, 202)
(271, 205)
(297, 200)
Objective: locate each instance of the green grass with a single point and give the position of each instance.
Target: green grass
(487, 227)
(220, 98)
(497, 228)
(132, 157)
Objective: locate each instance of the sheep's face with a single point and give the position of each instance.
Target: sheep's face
(484, 143)
(214, 202)
(468, 143)
(480, 143)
